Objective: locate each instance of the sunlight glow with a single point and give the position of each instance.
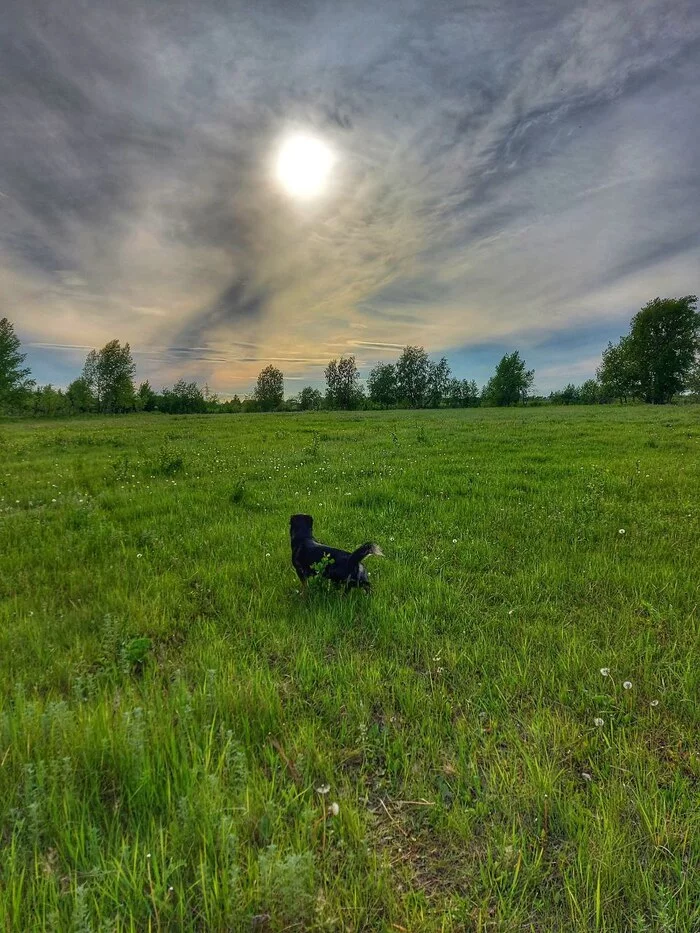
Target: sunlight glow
(303, 165)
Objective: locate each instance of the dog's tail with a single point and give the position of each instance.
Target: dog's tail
(366, 550)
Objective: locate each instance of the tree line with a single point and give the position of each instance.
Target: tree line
(657, 360)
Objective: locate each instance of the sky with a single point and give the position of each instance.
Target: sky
(512, 174)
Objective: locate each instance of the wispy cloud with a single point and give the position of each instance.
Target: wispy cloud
(503, 170)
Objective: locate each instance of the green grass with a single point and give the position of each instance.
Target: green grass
(170, 703)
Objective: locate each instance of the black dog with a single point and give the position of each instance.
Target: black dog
(343, 567)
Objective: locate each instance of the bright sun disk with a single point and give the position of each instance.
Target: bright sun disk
(303, 165)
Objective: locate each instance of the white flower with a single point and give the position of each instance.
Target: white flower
(654, 703)
(268, 554)
(605, 671)
(454, 540)
(148, 855)
(139, 555)
(621, 531)
(323, 789)
(53, 500)
(391, 538)
(334, 809)
(627, 685)
(598, 722)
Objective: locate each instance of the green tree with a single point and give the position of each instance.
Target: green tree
(310, 399)
(382, 386)
(438, 383)
(269, 389)
(664, 341)
(184, 398)
(618, 373)
(462, 393)
(79, 396)
(15, 381)
(342, 383)
(511, 381)
(413, 376)
(693, 380)
(110, 375)
(146, 398)
(48, 401)
(589, 393)
(569, 395)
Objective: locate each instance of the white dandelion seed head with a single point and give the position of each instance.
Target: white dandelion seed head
(621, 531)
(586, 776)
(654, 703)
(598, 722)
(605, 671)
(627, 685)
(334, 809)
(454, 541)
(139, 555)
(323, 789)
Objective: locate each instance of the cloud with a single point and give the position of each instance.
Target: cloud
(504, 170)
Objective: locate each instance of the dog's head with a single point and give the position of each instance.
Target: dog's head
(301, 526)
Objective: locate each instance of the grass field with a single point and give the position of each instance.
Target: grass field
(172, 708)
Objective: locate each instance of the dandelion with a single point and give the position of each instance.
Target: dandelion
(454, 540)
(148, 855)
(139, 555)
(53, 500)
(627, 685)
(334, 809)
(605, 671)
(598, 722)
(586, 776)
(268, 554)
(621, 531)
(323, 789)
(391, 538)
(654, 703)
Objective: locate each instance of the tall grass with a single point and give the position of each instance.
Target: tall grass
(187, 742)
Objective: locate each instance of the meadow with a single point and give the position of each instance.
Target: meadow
(502, 736)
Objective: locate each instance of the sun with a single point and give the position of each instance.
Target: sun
(303, 165)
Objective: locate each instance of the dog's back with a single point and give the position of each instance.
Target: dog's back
(343, 567)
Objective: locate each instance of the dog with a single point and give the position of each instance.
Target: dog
(344, 568)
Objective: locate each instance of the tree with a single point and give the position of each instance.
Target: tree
(438, 382)
(15, 381)
(618, 373)
(693, 381)
(48, 401)
(184, 398)
(232, 405)
(569, 395)
(382, 386)
(310, 399)
(79, 396)
(511, 381)
(413, 376)
(664, 340)
(269, 389)
(461, 393)
(110, 377)
(589, 393)
(342, 388)
(146, 398)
